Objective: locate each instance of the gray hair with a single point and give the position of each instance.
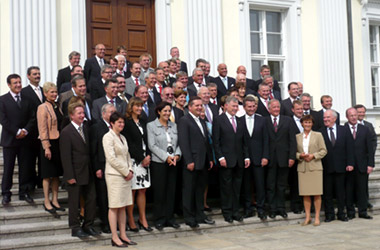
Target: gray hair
(273, 101)
(106, 106)
(305, 94)
(333, 112)
(231, 99)
(121, 57)
(250, 98)
(267, 77)
(105, 67)
(197, 69)
(73, 53)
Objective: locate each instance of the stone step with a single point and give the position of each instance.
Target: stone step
(33, 214)
(37, 192)
(374, 187)
(374, 177)
(17, 205)
(65, 241)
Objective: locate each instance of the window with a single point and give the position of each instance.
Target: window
(267, 42)
(375, 63)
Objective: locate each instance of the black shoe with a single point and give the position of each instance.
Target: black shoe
(133, 229)
(6, 200)
(26, 197)
(208, 221)
(159, 227)
(351, 216)
(174, 225)
(370, 206)
(141, 226)
(192, 224)
(116, 245)
(91, 231)
(131, 243)
(239, 218)
(248, 214)
(272, 215)
(343, 218)
(207, 209)
(58, 208)
(106, 229)
(329, 218)
(297, 211)
(365, 216)
(283, 214)
(51, 210)
(79, 233)
(228, 219)
(262, 216)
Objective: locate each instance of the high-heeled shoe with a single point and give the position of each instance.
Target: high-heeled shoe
(134, 229)
(141, 226)
(305, 223)
(58, 208)
(132, 243)
(51, 210)
(116, 245)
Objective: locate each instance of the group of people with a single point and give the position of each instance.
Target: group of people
(116, 130)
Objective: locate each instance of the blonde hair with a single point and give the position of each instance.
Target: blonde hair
(47, 86)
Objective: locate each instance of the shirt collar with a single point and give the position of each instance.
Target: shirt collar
(14, 94)
(76, 125)
(229, 116)
(195, 118)
(34, 87)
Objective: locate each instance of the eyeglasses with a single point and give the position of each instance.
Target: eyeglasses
(108, 72)
(169, 94)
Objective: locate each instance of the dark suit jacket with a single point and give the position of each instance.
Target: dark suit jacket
(341, 154)
(134, 138)
(65, 106)
(286, 107)
(96, 88)
(29, 94)
(295, 127)
(64, 75)
(156, 96)
(183, 67)
(192, 90)
(75, 155)
(282, 145)
(92, 69)
(277, 94)
(258, 143)
(276, 86)
(363, 148)
(177, 114)
(261, 109)
(96, 113)
(373, 134)
(220, 85)
(152, 114)
(66, 86)
(214, 110)
(318, 119)
(13, 118)
(97, 131)
(194, 145)
(228, 144)
(251, 84)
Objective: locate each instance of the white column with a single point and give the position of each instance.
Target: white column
(334, 59)
(79, 35)
(33, 38)
(163, 29)
(204, 38)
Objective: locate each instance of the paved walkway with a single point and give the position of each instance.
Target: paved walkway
(355, 234)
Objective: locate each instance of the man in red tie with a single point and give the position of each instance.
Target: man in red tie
(213, 89)
(274, 94)
(134, 80)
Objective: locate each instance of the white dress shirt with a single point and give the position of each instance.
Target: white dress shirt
(298, 123)
(198, 122)
(305, 143)
(333, 130)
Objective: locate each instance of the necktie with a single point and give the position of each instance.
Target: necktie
(87, 112)
(18, 101)
(266, 103)
(80, 130)
(214, 102)
(250, 125)
(122, 96)
(38, 92)
(225, 82)
(306, 112)
(101, 63)
(332, 137)
(112, 102)
(271, 95)
(354, 132)
(171, 118)
(208, 115)
(233, 123)
(275, 124)
(146, 110)
(160, 87)
(137, 81)
(150, 91)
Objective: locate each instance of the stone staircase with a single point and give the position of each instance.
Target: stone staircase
(25, 226)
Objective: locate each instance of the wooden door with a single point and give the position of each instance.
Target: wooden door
(121, 22)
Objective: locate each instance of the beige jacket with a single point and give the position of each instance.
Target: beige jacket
(317, 147)
(47, 124)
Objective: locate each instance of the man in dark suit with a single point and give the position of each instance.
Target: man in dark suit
(34, 94)
(64, 75)
(206, 72)
(96, 85)
(356, 179)
(282, 155)
(197, 156)
(258, 148)
(121, 89)
(111, 88)
(251, 84)
(361, 115)
(199, 63)
(17, 119)
(287, 104)
(148, 114)
(265, 71)
(154, 87)
(98, 130)
(263, 102)
(306, 103)
(66, 86)
(274, 94)
(122, 50)
(197, 77)
(326, 102)
(339, 159)
(223, 81)
(211, 110)
(74, 145)
(159, 82)
(231, 150)
(93, 65)
(174, 52)
(213, 89)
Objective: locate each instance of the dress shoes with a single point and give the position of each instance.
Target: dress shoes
(248, 214)
(297, 211)
(80, 233)
(365, 216)
(58, 208)
(329, 218)
(26, 197)
(208, 221)
(6, 200)
(351, 216)
(228, 219)
(134, 229)
(343, 218)
(262, 216)
(159, 227)
(239, 218)
(369, 205)
(141, 226)
(207, 209)
(283, 214)
(131, 243)
(106, 229)
(174, 225)
(51, 210)
(91, 231)
(116, 245)
(272, 215)
(192, 224)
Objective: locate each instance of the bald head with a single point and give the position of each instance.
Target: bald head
(241, 70)
(222, 70)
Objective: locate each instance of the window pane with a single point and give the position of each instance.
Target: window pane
(254, 20)
(276, 70)
(372, 34)
(274, 44)
(375, 77)
(255, 43)
(374, 53)
(375, 93)
(256, 64)
(273, 20)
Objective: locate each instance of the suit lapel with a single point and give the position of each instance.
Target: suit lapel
(227, 121)
(196, 125)
(12, 101)
(77, 135)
